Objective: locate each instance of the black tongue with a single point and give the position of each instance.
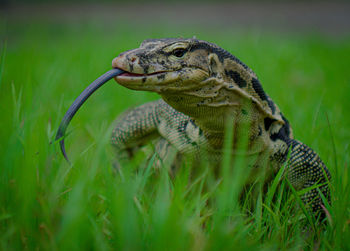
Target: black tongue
(79, 102)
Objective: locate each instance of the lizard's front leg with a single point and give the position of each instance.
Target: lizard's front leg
(135, 128)
(176, 133)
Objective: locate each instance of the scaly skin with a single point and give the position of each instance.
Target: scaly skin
(203, 87)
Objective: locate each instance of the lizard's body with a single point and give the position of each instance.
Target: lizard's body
(203, 89)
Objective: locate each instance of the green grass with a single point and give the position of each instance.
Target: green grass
(47, 204)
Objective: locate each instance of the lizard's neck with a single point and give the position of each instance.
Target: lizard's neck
(211, 119)
(212, 115)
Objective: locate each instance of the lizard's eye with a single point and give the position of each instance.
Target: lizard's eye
(179, 52)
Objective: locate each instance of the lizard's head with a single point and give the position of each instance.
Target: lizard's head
(164, 65)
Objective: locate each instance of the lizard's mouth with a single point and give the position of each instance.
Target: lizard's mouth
(137, 75)
(147, 81)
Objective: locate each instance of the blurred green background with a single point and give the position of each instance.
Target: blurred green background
(50, 51)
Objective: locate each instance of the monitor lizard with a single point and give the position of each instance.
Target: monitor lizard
(203, 88)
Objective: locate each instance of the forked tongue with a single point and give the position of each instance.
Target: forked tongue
(79, 102)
